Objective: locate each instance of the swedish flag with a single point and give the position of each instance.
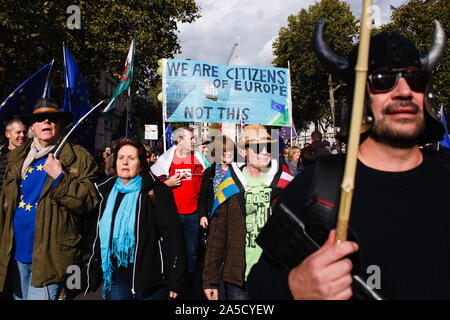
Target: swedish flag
(226, 189)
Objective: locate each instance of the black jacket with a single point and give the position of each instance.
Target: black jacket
(206, 196)
(160, 256)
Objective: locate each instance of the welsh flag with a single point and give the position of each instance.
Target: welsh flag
(125, 80)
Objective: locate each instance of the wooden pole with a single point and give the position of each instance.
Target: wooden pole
(348, 181)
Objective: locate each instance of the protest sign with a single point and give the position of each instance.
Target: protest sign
(195, 91)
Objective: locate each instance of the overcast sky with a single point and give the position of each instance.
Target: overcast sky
(253, 24)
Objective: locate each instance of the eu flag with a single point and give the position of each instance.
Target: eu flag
(287, 132)
(22, 100)
(76, 100)
(169, 136)
(278, 106)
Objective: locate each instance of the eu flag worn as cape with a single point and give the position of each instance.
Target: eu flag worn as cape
(226, 189)
(76, 100)
(22, 100)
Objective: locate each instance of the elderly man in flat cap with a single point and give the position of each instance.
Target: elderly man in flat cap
(43, 199)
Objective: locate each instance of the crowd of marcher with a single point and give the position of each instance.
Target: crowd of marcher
(225, 219)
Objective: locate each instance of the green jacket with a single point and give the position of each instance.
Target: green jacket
(58, 214)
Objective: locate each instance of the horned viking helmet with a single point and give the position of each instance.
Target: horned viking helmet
(392, 51)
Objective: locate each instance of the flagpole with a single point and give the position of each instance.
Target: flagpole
(66, 77)
(348, 180)
(44, 94)
(164, 135)
(76, 125)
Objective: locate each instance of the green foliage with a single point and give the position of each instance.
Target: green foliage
(415, 21)
(310, 89)
(33, 32)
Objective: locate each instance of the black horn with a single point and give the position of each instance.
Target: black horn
(326, 55)
(431, 58)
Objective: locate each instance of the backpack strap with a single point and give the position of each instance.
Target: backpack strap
(324, 195)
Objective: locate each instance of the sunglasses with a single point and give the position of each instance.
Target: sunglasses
(259, 147)
(385, 81)
(43, 117)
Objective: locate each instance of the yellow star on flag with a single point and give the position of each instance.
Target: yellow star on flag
(28, 208)
(39, 167)
(21, 204)
(30, 170)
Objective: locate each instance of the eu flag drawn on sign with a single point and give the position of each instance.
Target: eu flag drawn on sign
(278, 107)
(22, 100)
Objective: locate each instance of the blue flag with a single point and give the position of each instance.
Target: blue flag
(169, 137)
(76, 100)
(393, 8)
(226, 189)
(22, 100)
(445, 142)
(287, 132)
(122, 130)
(278, 107)
(281, 145)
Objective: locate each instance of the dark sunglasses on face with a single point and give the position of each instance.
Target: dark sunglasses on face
(43, 117)
(259, 147)
(385, 81)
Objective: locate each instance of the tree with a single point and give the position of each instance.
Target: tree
(314, 91)
(33, 32)
(415, 21)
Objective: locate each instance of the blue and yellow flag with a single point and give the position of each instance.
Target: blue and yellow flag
(169, 137)
(22, 100)
(76, 100)
(226, 189)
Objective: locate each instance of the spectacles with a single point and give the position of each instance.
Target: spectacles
(385, 81)
(43, 117)
(259, 147)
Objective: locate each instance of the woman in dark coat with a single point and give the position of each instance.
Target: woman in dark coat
(223, 153)
(138, 249)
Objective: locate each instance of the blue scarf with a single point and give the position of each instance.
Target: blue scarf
(123, 239)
